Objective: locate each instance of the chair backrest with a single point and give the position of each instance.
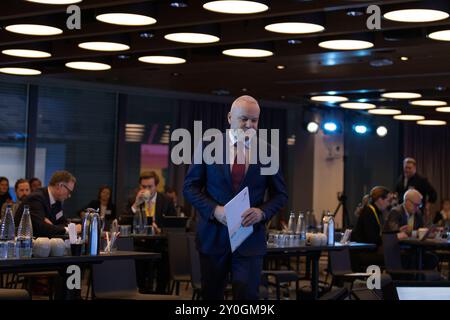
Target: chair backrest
(122, 271)
(392, 255)
(340, 261)
(178, 254)
(194, 259)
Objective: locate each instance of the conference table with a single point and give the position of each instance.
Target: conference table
(62, 264)
(314, 253)
(421, 245)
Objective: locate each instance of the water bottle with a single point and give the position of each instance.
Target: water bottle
(328, 228)
(93, 247)
(7, 235)
(24, 242)
(301, 226)
(291, 223)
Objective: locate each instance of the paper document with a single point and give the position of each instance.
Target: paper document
(233, 212)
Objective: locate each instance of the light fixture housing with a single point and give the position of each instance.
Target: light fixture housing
(104, 46)
(330, 126)
(329, 98)
(27, 53)
(88, 65)
(384, 111)
(162, 59)
(401, 95)
(443, 109)
(247, 52)
(346, 44)
(432, 122)
(236, 6)
(409, 117)
(360, 128)
(294, 27)
(312, 127)
(428, 103)
(55, 2)
(358, 105)
(441, 35)
(20, 71)
(191, 37)
(34, 29)
(416, 15)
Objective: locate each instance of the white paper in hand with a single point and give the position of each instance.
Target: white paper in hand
(72, 232)
(233, 212)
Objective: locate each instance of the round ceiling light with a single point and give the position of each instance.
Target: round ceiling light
(21, 71)
(382, 131)
(126, 19)
(401, 95)
(428, 103)
(358, 105)
(87, 65)
(385, 112)
(34, 29)
(346, 44)
(409, 117)
(104, 46)
(25, 53)
(329, 99)
(416, 15)
(162, 59)
(62, 2)
(191, 37)
(443, 109)
(432, 122)
(247, 53)
(443, 35)
(236, 6)
(294, 27)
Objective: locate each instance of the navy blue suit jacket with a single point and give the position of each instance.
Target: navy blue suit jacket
(207, 186)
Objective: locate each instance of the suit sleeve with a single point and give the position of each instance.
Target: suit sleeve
(431, 192)
(277, 196)
(393, 222)
(40, 227)
(370, 228)
(171, 211)
(194, 183)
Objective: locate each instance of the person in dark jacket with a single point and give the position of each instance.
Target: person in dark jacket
(104, 204)
(5, 197)
(442, 217)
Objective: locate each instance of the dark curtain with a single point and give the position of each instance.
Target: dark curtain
(214, 115)
(430, 146)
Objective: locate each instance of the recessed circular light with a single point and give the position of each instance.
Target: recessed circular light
(34, 29)
(409, 117)
(126, 19)
(312, 127)
(294, 27)
(382, 131)
(443, 35)
(385, 112)
(401, 95)
(330, 99)
(404, 58)
(104, 46)
(432, 122)
(25, 53)
(358, 105)
(191, 37)
(87, 65)
(162, 59)
(235, 6)
(416, 15)
(281, 67)
(62, 2)
(443, 109)
(21, 71)
(346, 44)
(428, 103)
(247, 53)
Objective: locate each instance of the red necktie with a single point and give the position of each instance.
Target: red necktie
(237, 174)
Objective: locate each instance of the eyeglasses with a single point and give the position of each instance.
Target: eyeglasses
(416, 205)
(68, 189)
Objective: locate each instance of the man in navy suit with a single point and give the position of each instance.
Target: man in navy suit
(208, 187)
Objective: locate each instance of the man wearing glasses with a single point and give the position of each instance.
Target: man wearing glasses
(46, 206)
(407, 216)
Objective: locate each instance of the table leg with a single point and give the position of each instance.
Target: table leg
(419, 252)
(315, 275)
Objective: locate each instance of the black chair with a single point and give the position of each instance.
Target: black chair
(393, 262)
(281, 277)
(178, 260)
(117, 279)
(194, 260)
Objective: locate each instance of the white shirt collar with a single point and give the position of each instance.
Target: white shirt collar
(153, 199)
(234, 139)
(52, 200)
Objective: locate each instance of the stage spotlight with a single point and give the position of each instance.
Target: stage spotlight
(312, 127)
(330, 127)
(382, 131)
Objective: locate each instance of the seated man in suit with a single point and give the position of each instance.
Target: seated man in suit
(46, 206)
(155, 205)
(22, 190)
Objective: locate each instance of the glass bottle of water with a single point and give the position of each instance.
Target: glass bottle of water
(301, 226)
(7, 235)
(291, 223)
(24, 242)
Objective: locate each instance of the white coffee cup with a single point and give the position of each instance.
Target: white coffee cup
(146, 195)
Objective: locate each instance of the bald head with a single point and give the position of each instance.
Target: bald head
(244, 113)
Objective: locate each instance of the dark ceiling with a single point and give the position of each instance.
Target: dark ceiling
(308, 70)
